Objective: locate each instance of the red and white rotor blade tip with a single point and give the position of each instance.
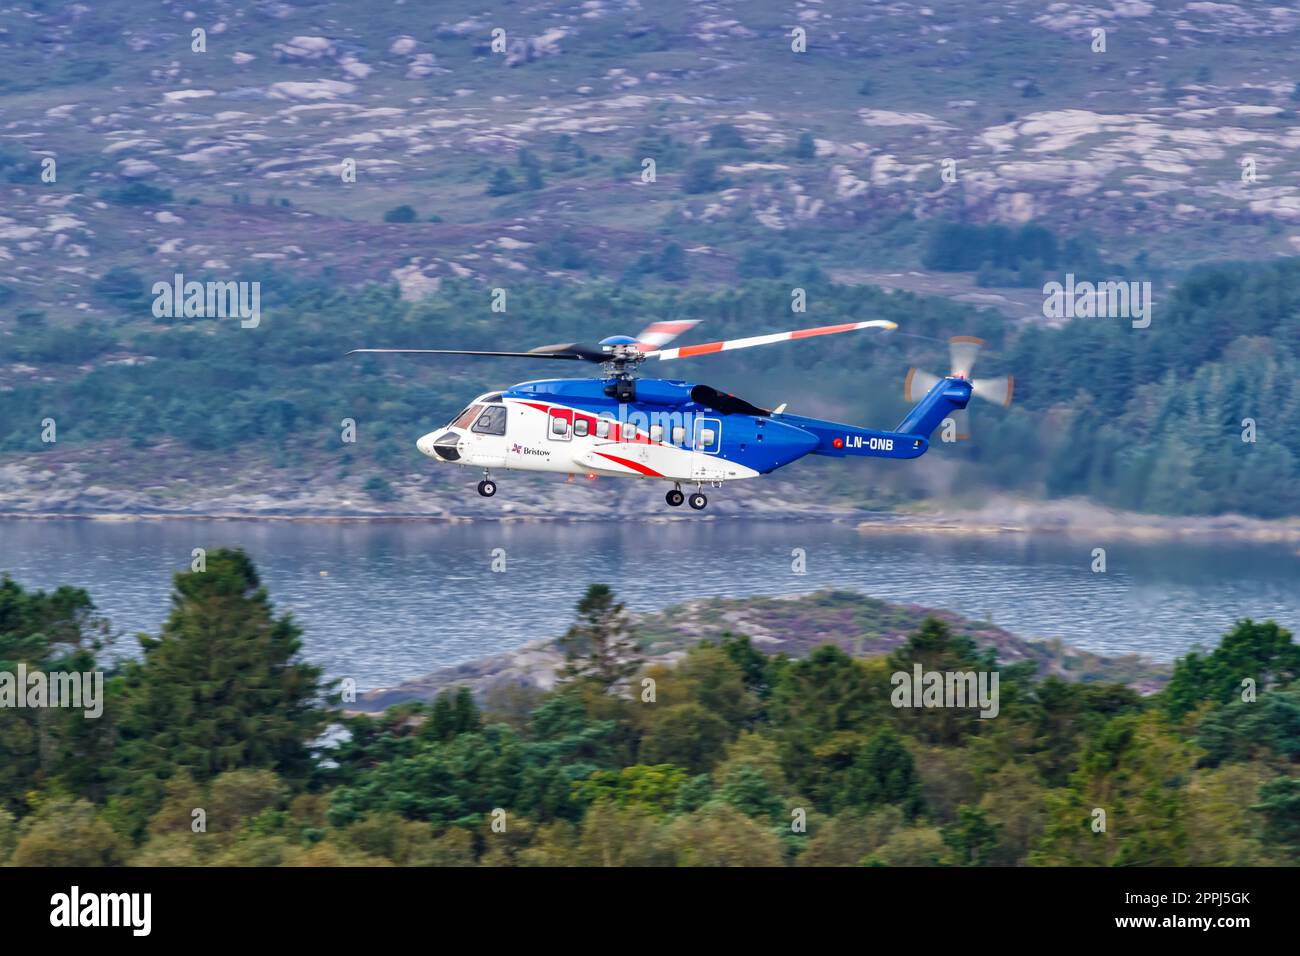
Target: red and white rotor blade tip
(728, 345)
(658, 334)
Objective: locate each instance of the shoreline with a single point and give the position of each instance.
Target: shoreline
(1064, 518)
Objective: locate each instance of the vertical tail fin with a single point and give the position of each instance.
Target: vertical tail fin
(945, 396)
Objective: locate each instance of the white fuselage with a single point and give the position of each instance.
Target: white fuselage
(536, 435)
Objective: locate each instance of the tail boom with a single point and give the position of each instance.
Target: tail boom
(849, 441)
(910, 439)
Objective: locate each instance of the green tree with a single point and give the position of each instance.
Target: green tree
(220, 688)
(883, 773)
(1279, 804)
(972, 838)
(452, 714)
(600, 646)
(702, 177)
(68, 832)
(687, 735)
(60, 747)
(726, 136)
(503, 183)
(1262, 652)
(721, 835)
(401, 213)
(672, 263)
(651, 788)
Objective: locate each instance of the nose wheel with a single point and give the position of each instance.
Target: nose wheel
(487, 487)
(698, 501)
(675, 497)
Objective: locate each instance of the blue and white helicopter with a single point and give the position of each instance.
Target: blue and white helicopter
(624, 427)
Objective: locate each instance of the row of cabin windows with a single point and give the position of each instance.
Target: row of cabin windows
(560, 429)
(492, 421)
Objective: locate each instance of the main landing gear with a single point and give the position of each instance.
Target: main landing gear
(675, 498)
(487, 487)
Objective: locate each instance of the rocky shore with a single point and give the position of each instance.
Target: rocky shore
(793, 625)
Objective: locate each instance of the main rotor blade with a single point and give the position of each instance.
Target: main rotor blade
(963, 350)
(658, 334)
(997, 390)
(571, 355)
(918, 383)
(728, 345)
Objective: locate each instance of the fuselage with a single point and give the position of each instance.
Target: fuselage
(671, 430)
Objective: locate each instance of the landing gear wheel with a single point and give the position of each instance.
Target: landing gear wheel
(698, 501)
(675, 497)
(487, 487)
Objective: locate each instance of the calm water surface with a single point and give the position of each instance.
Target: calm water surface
(399, 600)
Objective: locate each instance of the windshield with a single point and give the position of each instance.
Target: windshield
(464, 418)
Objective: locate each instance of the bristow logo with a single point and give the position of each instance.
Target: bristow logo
(54, 689)
(951, 689)
(211, 300)
(1104, 300)
(103, 909)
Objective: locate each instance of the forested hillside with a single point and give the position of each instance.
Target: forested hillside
(1143, 419)
(209, 752)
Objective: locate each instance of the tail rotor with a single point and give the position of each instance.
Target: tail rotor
(963, 350)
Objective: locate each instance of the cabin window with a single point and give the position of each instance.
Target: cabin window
(679, 435)
(602, 428)
(559, 427)
(492, 421)
(580, 428)
(656, 433)
(707, 437)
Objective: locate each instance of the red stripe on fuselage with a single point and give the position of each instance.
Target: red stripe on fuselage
(617, 432)
(634, 465)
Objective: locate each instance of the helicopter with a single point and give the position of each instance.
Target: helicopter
(622, 426)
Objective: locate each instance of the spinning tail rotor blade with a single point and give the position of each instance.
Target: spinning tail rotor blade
(997, 390)
(963, 350)
(918, 383)
(728, 345)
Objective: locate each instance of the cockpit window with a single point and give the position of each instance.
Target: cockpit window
(492, 421)
(464, 418)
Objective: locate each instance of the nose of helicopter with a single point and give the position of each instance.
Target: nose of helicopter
(439, 446)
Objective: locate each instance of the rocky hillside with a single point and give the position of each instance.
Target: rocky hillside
(515, 143)
(860, 625)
